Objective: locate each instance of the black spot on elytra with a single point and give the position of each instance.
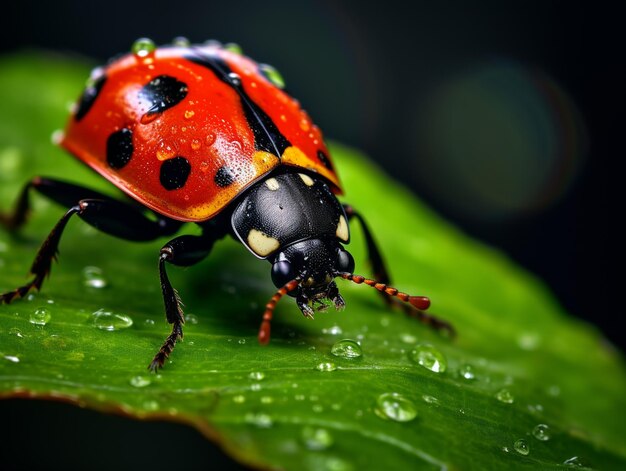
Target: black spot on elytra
(88, 97)
(119, 148)
(267, 136)
(325, 160)
(162, 93)
(224, 177)
(174, 173)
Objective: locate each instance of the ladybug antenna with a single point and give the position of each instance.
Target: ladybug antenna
(264, 330)
(420, 303)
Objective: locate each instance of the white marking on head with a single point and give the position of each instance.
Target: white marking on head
(261, 243)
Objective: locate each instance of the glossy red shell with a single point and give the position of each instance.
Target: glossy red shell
(208, 127)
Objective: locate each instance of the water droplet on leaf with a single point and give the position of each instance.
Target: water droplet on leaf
(396, 407)
(326, 366)
(110, 321)
(139, 381)
(259, 419)
(467, 371)
(504, 395)
(257, 375)
(40, 316)
(315, 438)
(521, 446)
(542, 432)
(429, 357)
(346, 348)
(93, 277)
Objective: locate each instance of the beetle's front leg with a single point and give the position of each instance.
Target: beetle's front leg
(182, 251)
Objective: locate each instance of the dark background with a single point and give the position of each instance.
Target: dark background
(443, 95)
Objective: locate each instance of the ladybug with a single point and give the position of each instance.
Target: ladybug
(203, 134)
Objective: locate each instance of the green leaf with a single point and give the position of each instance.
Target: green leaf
(523, 385)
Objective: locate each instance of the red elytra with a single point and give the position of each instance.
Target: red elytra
(210, 127)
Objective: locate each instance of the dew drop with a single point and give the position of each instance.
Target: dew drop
(40, 316)
(467, 372)
(110, 321)
(11, 358)
(139, 381)
(257, 375)
(17, 332)
(430, 399)
(233, 47)
(315, 438)
(326, 366)
(429, 357)
(521, 446)
(408, 338)
(334, 330)
(57, 136)
(504, 395)
(239, 399)
(151, 405)
(259, 419)
(181, 41)
(396, 407)
(542, 432)
(235, 79)
(165, 151)
(574, 462)
(241, 341)
(346, 348)
(191, 319)
(93, 277)
(143, 47)
(272, 75)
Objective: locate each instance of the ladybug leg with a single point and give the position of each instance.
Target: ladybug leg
(378, 265)
(106, 214)
(182, 251)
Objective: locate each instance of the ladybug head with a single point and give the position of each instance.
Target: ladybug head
(312, 264)
(306, 271)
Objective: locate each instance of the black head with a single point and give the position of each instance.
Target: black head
(314, 263)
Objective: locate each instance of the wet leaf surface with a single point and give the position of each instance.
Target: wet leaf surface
(523, 385)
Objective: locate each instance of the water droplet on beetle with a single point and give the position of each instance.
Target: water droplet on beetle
(542, 432)
(521, 446)
(110, 321)
(143, 47)
(346, 348)
(196, 144)
(93, 277)
(272, 75)
(189, 114)
(316, 438)
(235, 79)
(505, 396)
(326, 366)
(40, 316)
(165, 151)
(210, 138)
(395, 407)
(429, 357)
(233, 47)
(181, 41)
(139, 381)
